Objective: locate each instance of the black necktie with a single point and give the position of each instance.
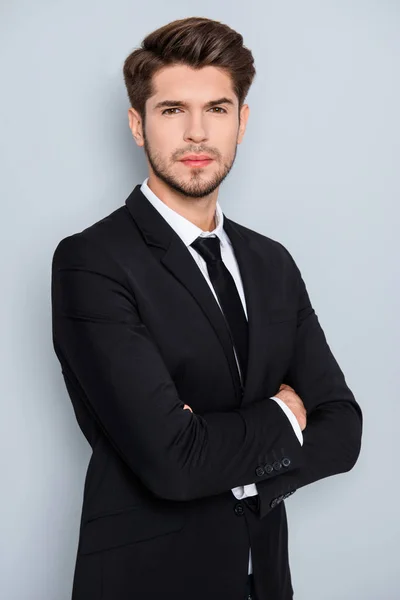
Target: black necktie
(228, 296)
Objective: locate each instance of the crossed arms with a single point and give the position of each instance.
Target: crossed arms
(104, 346)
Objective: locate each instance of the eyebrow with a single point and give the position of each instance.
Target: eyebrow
(170, 103)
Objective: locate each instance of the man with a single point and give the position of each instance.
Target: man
(196, 365)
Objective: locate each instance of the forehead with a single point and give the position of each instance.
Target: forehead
(185, 83)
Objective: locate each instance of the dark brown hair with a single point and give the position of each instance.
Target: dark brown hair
(194, 41)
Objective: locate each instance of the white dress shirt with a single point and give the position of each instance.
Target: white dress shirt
(188, 232)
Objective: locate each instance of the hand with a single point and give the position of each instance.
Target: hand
(187, 406)
(294, 402)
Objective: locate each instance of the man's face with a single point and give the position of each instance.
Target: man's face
(191, 112)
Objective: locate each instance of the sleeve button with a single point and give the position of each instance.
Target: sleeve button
(277, 465)
(260, 471)
(285, 461)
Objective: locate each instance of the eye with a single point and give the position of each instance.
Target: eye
(168, 109)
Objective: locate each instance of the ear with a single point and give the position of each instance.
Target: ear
(244, 115)
(135, 125)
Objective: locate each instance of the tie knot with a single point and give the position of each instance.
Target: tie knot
(208, 247)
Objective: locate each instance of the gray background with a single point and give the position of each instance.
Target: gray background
(317, 170)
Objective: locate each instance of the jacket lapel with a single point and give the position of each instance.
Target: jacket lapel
(180, 263)
(176, 258)
(257, 275)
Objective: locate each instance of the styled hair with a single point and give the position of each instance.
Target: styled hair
(195, 41)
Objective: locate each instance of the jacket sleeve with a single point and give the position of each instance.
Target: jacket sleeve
(332, 437)
(103, 345)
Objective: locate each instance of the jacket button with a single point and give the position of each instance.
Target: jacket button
(277, 465)
(268, 469)
(260, 471)
(239, 510)
(285, 461)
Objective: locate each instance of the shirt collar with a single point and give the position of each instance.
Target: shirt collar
(186, 230)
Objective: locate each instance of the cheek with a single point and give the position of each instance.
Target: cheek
(164, 140)
(226, 140)
(159, 145)
(229, 149)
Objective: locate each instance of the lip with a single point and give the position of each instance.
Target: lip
(196, 157)
(195, 162)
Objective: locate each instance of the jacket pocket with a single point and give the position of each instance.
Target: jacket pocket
(128, 526)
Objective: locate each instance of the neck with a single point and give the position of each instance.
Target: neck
(200, 211)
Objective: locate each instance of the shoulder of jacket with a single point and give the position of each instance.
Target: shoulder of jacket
(264, 242)
(98, 240)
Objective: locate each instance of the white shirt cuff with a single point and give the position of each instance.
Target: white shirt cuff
(294, 422)
(242, 491)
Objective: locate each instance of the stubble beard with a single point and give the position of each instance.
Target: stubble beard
(198, 186)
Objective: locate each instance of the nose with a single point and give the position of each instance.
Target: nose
(195, 129)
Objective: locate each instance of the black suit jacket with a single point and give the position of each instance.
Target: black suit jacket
(138, 334)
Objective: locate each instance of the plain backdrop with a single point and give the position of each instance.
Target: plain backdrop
(318, 170)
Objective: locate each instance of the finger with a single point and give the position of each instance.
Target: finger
(288, 387)
(284, 386)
